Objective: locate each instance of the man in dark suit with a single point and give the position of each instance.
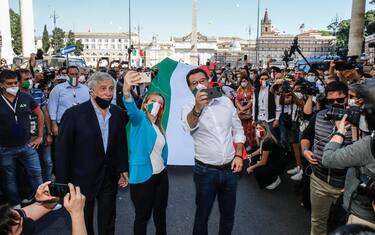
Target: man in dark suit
(91, 151)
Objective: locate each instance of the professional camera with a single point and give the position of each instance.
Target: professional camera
(308, 88)
(366, 186)
(285, 87)
(337, 113)
(48, 74)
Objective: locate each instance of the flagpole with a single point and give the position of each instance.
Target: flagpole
(257, 40)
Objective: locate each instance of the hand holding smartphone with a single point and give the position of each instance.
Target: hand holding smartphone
(213, 92)
(58, 190)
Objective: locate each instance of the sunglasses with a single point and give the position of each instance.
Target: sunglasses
(338, 100)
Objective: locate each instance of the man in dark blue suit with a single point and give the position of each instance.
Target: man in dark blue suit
(91, 151)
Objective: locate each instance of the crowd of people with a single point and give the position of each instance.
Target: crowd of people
(70, 126)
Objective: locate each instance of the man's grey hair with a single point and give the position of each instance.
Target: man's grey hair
(99, 76)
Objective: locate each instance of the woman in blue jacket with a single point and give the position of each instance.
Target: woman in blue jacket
(148, 177)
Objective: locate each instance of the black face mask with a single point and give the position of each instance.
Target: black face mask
(102, 103)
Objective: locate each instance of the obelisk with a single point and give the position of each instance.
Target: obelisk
(194, 50)
(27, 27)
(6, 47)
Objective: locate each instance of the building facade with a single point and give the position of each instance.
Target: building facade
(111, 45)
(370, 48)
(234, 50)
(272, 44)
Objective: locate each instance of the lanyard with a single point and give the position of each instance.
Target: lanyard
(11, 107)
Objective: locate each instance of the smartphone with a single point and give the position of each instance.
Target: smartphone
(145, 78)
(213, 92)
(58, 190)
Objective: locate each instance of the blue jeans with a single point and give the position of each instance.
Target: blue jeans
(44, 152)
(29, 159)
(210, 182)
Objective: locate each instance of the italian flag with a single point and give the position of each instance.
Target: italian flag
(171, 83)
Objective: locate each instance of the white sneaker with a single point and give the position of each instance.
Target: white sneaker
(57, 207)
(294, 171)
(17, 207)
(298, 176)
(274, 184)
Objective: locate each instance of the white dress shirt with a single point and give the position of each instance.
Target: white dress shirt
(217, 130)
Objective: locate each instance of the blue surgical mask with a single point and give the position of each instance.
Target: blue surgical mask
(311, 78)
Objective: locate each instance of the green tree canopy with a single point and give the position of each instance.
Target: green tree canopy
(15, 28)
(80, 48)
(57, 41)
(45, 40)
(70, 38)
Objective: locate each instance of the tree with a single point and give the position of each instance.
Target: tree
(57, 41)
(45, 40)
(70, 39)
(369, 22)
(334, 25)
(15, 28)
(325, 33)
(79, 49)
(343, 34)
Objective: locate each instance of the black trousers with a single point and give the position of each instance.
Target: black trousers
(150, 197)
(106, 201)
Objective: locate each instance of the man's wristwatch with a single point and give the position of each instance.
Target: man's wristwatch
(339, 134)
(195, 113)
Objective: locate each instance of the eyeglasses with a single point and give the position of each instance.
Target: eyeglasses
(338, 100)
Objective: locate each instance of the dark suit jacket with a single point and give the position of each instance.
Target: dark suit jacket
(80, 155)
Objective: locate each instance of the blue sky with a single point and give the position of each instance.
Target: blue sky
(168, 18)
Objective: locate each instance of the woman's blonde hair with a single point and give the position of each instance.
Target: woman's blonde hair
(269, 134)
(159, 119)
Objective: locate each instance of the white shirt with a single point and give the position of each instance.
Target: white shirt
(263, 101)
(217, 130)
(157, 161)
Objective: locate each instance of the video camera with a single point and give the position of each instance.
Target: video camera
(307, 88)
(337, 113)
(285, 87)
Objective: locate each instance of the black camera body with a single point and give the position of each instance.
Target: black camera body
(285, 87)
(308, 88)
(366, 186)
(337, 113)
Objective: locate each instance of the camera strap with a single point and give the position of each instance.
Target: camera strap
(373, 143)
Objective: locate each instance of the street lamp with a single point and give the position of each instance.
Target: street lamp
(130, 48)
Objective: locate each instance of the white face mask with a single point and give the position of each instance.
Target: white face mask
(257, 134)
(263, 84)
(12, 90)
(82, 79)
(351, 102)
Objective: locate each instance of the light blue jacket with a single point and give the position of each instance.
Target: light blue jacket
(142, 138)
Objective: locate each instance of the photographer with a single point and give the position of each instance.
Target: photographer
(291, 101)
(326, 184)
(360, 158)
(22, 221)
